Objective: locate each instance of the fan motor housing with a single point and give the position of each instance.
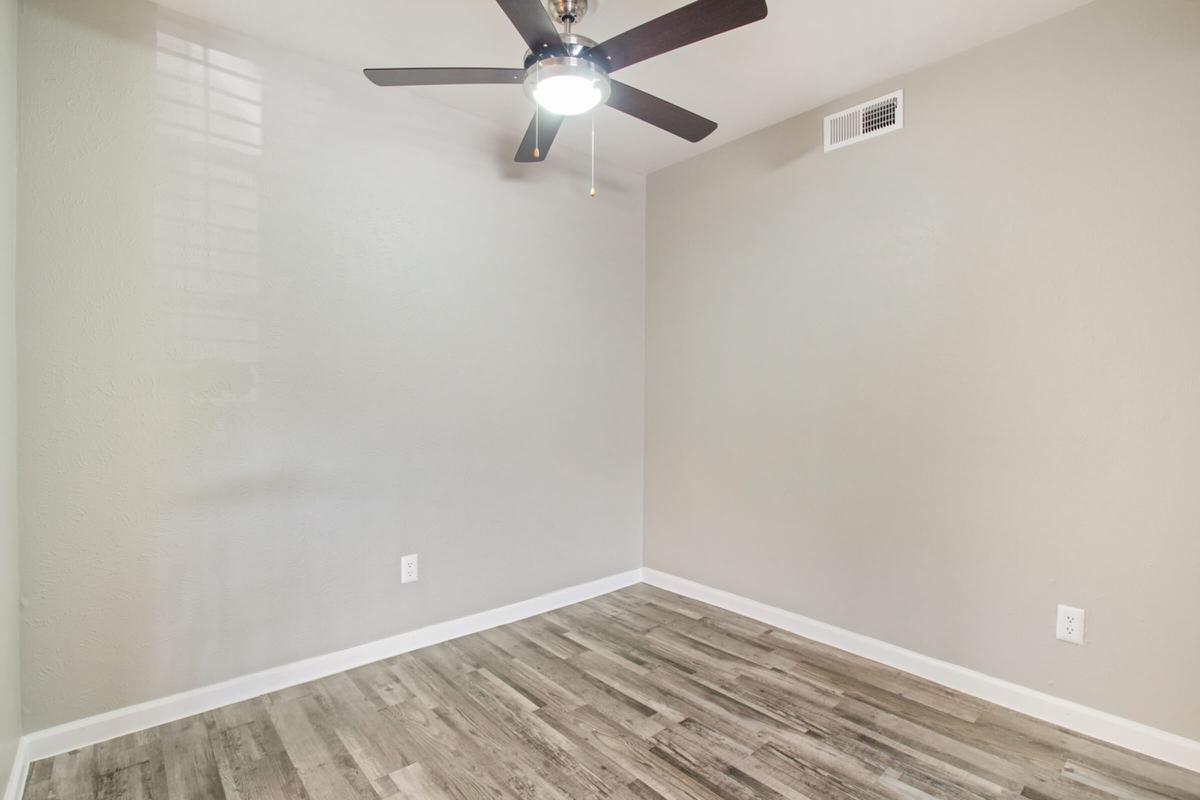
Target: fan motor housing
(576, 46)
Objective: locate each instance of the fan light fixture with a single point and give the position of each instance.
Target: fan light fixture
(566, 74)
(566, 85)
(567, 95)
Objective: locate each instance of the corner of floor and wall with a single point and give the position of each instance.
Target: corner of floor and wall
(904, 397)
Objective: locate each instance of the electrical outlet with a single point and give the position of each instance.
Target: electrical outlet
(1070, 624)
(408, 568)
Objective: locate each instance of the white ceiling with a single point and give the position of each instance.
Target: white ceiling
(804, 54)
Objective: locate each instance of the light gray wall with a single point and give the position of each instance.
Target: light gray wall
(279, 329)
(10, 664)
(928, 387)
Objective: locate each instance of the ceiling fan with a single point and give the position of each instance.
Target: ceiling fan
(566, 74)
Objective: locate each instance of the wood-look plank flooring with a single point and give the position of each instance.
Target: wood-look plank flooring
(636, 695)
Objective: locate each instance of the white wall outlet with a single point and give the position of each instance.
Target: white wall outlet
(1070, 624)
(408, 568)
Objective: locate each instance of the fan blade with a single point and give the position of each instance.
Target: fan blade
(546, 131)
(659, 112)
(530, 19)
(692, 23)
(442, 76)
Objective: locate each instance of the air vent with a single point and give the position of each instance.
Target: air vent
(873, 118)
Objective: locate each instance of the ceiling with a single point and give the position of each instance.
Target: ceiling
(804, 54)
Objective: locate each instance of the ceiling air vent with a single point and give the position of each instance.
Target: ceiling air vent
(872, 118)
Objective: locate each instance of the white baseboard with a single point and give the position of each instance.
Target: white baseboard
(1126, 733)
(20, 768)
(84, 732)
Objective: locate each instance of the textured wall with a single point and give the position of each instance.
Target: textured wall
(10, 665)
(929, 386)
(279, 328)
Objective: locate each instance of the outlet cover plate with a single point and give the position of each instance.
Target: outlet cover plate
(408, 568)
(1070, 624)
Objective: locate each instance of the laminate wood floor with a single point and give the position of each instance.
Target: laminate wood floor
(636, 695)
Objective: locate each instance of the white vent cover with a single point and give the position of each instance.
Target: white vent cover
(866, 121)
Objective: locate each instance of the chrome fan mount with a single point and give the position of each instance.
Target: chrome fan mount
(567, 74)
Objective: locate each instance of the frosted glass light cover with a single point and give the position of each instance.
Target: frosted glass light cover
(567, 95)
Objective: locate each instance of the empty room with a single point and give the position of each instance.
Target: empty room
(599, 399)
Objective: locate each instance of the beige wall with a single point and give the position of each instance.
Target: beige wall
(10, 684)
(280, 327)
(928, 387)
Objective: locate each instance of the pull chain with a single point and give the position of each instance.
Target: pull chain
(537, 114)
(593, 116)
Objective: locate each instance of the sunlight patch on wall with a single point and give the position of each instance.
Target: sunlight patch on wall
(207, 246)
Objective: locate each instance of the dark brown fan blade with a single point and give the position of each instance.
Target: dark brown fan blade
(693, 22)
(530, 19)
(546, 132)
(659, 112)
(441, 76)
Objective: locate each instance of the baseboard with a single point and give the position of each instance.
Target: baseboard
(1101, 725)
(99, 728)
(20, 769)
